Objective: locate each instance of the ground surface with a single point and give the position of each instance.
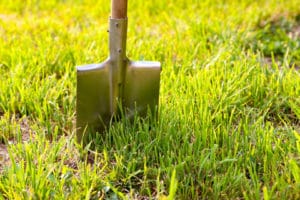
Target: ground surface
(228, 125)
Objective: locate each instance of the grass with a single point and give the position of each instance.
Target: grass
(228, 125)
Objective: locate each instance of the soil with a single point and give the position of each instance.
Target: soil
(4, 158)
(295, 33)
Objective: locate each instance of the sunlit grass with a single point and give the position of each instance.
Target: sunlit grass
(228, 124)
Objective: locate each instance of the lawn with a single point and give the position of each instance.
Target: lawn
(228, 124)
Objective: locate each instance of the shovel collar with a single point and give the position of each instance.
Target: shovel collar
(117, 38)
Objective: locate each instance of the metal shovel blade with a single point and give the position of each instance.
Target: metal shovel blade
(95, 103)
(115, 86)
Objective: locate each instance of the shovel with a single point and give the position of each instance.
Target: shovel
(116, 86)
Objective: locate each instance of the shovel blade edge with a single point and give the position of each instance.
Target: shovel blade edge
(141, 88)
(93, 100)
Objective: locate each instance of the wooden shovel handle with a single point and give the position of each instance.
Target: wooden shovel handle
(118, 9)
